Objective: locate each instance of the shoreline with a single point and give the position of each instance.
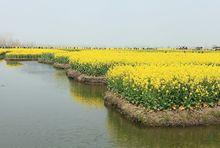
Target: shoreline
(80, 77)
(83, 78)
(150, 118)
(45, 62)
(61, 66)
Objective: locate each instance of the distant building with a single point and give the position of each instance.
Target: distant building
(199, 48)
(216, 47)
(149, 48)
(183, 48)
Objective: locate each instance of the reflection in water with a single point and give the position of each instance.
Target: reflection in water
(60, 77)
(91, 96)
(128, 135)
(12, 64)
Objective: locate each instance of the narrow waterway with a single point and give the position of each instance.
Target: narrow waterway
(41, 108)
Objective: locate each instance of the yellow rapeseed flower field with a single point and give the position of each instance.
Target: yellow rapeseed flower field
(161, 79)
(139, 57)
(22, 52)
(97, 62)
(166, 87)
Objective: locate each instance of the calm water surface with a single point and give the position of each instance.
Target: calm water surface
(41, 108)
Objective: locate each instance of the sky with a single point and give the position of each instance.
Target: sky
(113, 23)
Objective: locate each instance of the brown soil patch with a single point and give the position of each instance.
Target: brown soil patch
(61, 66)
(45, 62)
(85, 78)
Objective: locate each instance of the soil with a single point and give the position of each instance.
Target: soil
(61, 66)
(45, 62)
(101, 80)
(146, 117)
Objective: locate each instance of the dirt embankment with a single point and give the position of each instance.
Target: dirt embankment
(61, 66)
(45, 61)
(145, 117)
(101, 80)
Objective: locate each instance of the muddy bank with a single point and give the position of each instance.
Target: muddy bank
(45, 61)
(85, 78)
(144, 117)
(61, 66)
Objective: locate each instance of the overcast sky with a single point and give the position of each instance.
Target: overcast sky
(113, 22)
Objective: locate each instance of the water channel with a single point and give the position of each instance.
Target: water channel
(41, 108)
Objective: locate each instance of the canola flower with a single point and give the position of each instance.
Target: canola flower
(155, 79)
(28, 53)
(63, 57)
(167, 87)
(101, 60)
(98, 62)
(2, 51)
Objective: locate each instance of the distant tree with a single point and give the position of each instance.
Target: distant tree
(6, 41)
